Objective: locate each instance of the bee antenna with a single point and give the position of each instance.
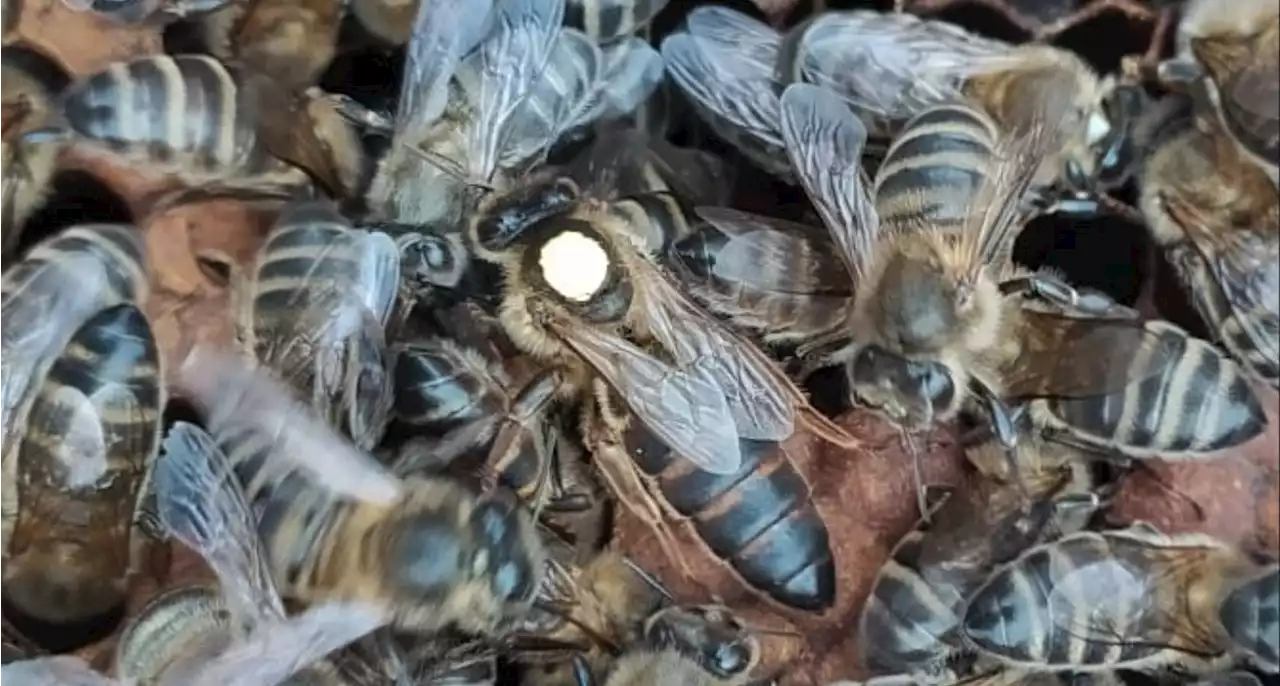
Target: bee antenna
(909, 444)
(561, 611)
(649, 579)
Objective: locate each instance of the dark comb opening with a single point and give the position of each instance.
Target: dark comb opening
(75, 197)
(62, 638)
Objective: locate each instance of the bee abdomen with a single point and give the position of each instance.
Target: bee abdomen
(606, 20)
(656, 220)
(933, 167)
(118, 247)
(1251, 617)
(907, 621)
(179, 110)
(760, 519)
(1192, 399)
(435, 388)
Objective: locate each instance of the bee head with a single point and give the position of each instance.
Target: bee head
(709, 635)
(909, 393)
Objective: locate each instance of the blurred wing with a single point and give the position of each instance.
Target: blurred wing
(77, 420)
(503, 71)
(633, 70)
(367, 387)
(755, 241)
(1105, 601)
(237, 399)
(724, 63)
(378, 279)
(623, 162)
(202, 504)
(609, 20)
(274, 651)
(999, 212)
(56, 670)
(443, 32)
(824, 142)
(682, 405)
(562, 95)
(1251, 108)
(890, 66)
(1062, 356)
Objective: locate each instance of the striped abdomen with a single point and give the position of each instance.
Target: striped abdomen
(1192, 399)
(1250, 328)
(654, 221)
(440, 386)
(181, 112)
(607, 20)
(760, 519)
(934, 167)
(117, 247)
(1094, 600)
(92, 432)
(1251, 617)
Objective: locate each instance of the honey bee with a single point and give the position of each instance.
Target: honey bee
(54, 670)
(392, 21)
(605, 21)
(1249, 618)
(292, 42)
(1218, 220)
(1133, 599)
(997, 677)
(937, 327)
(314, 309)
(910, 624)
(423, 554)
(467, 124)
(32, 82)
(257, 139)
(1230, 51)
(620, 607)
(890, 68)
(145, 11)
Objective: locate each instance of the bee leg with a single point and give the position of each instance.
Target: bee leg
(1004, 426)
(631, 491)
(375, 122)
(1057, 292)
(582, 675)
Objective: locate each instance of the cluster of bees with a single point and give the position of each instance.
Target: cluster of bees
(455, 353)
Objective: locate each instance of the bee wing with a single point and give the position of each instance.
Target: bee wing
(756, 241)
(53, 670)
(682, 405)
(1106, 601)
(998, 211)
(619, 163)
(236, 399)
(1244, 263)
(200, 502)
(504, 71)
(1063, 356)
(274, 651)
(723, 63)
(443, 32)
(633, 70)
(824, 142)
(890, 65)
(562, 96)
(606, 21)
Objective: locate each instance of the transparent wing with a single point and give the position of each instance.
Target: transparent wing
(1107, 601)
(724, 63)
(633, 70)
(887, 65)
(40, 314)
(682, 405)
(77, 420)
(756, 240)
(56, 670)
(443, 32)
(238, 399)
(274, 651)
(824, 142)
(607, 21)
(563, 94)
(503, 71)
(201, 503)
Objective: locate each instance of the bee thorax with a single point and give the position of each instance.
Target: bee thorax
(574, 265)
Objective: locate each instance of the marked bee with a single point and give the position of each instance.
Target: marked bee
(314, 310)
(149, 11)
(422, 553)
(937, 325)
(911, 622)
(290, 41)
(1133, 599)
(892, 67)
(1217, 218)
(1230, 51)
(31, 84)
(486, 96)
(255, 138)
(618, 607)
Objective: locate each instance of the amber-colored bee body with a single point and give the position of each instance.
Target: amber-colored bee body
(31, 84)
(290, 41)
(92, 433)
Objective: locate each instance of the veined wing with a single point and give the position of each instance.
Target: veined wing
(443, 32)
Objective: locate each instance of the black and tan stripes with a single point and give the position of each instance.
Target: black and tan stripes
(1191, 399)
(608, 20)
(1250, 615)
(933, 169)
(117, 247)
(760, 519)
(180, 111)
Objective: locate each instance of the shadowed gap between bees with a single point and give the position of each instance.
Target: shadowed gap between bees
(1108, 254)
(62, 638)
(76, 197)
(1106, 39)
